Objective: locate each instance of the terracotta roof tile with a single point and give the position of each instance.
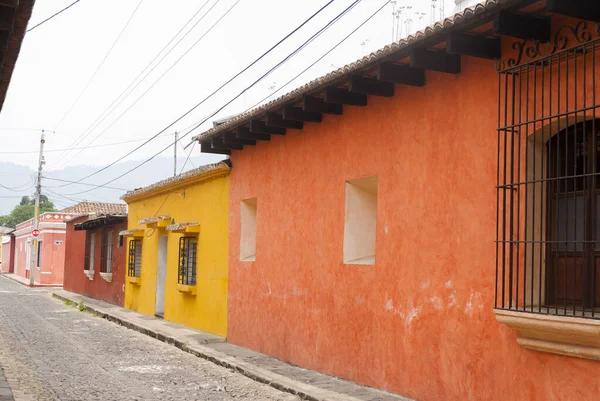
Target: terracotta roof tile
(200, 171)
(98, 208)
(445, 25)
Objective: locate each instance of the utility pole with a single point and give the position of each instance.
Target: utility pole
(175, 155)
(36, 218)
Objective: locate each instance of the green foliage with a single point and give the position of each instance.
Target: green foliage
(81, 306)
(68, 302)
(25, 210)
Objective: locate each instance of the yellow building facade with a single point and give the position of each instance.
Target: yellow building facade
(177, 241)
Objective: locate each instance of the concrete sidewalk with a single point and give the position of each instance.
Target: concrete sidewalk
(25, 281)
(307, 384)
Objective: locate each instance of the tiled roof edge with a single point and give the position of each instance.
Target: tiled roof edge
(201, 171)
(320, 83)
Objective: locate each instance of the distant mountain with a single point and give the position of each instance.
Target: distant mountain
(17, 181)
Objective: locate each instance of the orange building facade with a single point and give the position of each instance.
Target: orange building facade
(402, 234)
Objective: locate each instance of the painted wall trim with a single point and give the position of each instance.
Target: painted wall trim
(569, 336)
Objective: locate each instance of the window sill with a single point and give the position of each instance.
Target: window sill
(134, 280)
(89, 274)
(106, 276)
(186, 289)
(367, 260)
(569, 336)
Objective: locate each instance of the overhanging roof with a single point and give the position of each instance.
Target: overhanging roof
(100, 221)
(14, 16)
(474, 32)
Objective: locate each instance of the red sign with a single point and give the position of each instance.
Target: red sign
(35, 232)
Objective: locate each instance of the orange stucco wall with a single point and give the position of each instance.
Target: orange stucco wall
(420, 321)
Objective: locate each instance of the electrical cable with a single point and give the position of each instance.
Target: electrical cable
(324, 55)
(19, 188)
(89, 147)
(119, 99)
(319, 59)
(159, 78)
(80, 183)
(188, 156)
(227, 82)
(99, 66)
(53, 15)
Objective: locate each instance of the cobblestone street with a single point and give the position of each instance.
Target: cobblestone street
(52, 351)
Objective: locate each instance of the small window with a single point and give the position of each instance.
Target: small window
(135, 258)
(39, 254)
(248, 230)
(121, 242)
(188, 247)
(360, 221)
(90, 251)
(107, 247)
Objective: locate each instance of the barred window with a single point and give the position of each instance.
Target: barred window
(107, 251)
(188, 247)
(548, 186)
(135, 258)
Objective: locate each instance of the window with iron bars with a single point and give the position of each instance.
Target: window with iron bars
(548, 191)
(188, 247)
(135, 258)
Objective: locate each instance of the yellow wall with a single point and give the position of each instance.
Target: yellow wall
(206, 203)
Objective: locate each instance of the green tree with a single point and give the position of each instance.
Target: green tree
(25, 210)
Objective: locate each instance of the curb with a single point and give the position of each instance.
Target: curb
(280, 382)
(6, 275)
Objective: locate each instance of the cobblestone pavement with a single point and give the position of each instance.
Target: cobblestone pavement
(51, 351)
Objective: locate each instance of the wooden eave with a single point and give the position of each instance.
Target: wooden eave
(476, 32)
(14, 17)
(100, 221)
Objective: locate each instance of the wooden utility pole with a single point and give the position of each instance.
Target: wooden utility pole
(36, 218)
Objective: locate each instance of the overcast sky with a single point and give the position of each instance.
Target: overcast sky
(58, 59)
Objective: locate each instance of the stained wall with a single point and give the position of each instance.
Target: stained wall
(419, 322)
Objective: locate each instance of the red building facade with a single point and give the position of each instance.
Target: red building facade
(8, 253)
(96, 257)
(385, 219)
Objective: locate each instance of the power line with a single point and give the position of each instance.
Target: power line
(162, 76)
(226, 104)
(119, 99)
(320, 58)
(188, 156)
(99, 66)
(65, 197)
(19, 188)
(84, 147)
(221, 87)
(53, 15)
(81, 183)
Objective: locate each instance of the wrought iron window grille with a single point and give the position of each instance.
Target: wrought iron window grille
(188, 247)
(135, 258)
(548, 191)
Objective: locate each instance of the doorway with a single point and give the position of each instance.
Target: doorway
(161, 276)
